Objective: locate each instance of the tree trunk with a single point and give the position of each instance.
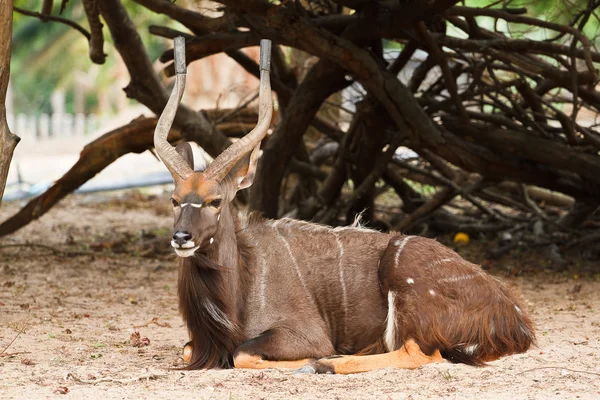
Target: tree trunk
(8, 141)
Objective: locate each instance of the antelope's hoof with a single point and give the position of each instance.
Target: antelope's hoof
(307, 369)
(316, 367)
(187, 353)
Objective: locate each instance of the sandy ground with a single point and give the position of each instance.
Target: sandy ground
(99, 269)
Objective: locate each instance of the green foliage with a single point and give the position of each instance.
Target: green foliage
(50, 55)
(557, 11)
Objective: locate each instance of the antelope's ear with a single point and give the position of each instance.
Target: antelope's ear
(242, 174)
(185, 151)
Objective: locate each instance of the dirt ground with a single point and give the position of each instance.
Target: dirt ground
(98, 270)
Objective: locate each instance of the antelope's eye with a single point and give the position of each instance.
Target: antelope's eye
(214, 203)
(174, 202)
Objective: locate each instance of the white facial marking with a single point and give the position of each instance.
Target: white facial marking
(410, 281)
(212, 240)
(390, 327)
(195, 205)
(186, 252)
(400, 244)
(218, 217)
(432, 292)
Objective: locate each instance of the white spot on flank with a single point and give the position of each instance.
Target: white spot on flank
(470, 350)
(390, 327)
(342, 279)
(218, 217)
(212, 240)
(400, 244)
(432, 292)
(410, 281)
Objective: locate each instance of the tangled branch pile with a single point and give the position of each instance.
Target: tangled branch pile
(497, 130)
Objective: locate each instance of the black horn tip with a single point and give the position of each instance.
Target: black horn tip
(179, 48)
(265, 55)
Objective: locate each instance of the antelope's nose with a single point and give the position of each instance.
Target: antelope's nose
(181, 237)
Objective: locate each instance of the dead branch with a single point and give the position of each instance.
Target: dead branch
(146, 376)
(46, 7)
(472, 12)
(44, 17)
(153, 321)
(134, 137)
(145, 86)
(8, 141)
(3, 353)
(96, 38)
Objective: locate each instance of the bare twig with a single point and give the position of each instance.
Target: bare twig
(147, 376)
(153, 321)
(96, 39)
(61, 20)
(19, 331)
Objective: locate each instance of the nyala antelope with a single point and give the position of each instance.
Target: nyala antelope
(258, 293)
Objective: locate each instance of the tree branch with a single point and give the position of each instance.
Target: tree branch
(97, 39)
(61, 20)
(8, 141)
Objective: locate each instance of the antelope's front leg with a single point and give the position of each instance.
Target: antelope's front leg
(409, 356)
(187, 352)
(282, 348)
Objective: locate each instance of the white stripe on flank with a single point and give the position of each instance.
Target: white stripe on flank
(470, 349)
(400, 244)
(442, 261)
(293, 258)
(342, 279)
(262, 281)
(390, 327)
(458, 278)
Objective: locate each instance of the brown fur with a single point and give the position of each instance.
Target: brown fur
(469, 308)
(286, 290)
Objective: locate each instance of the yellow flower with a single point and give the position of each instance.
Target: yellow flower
(461, 239)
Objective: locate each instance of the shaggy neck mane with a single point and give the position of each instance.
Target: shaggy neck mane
(210, 299)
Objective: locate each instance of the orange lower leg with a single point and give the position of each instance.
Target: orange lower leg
(244, 360)
(408, 356)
